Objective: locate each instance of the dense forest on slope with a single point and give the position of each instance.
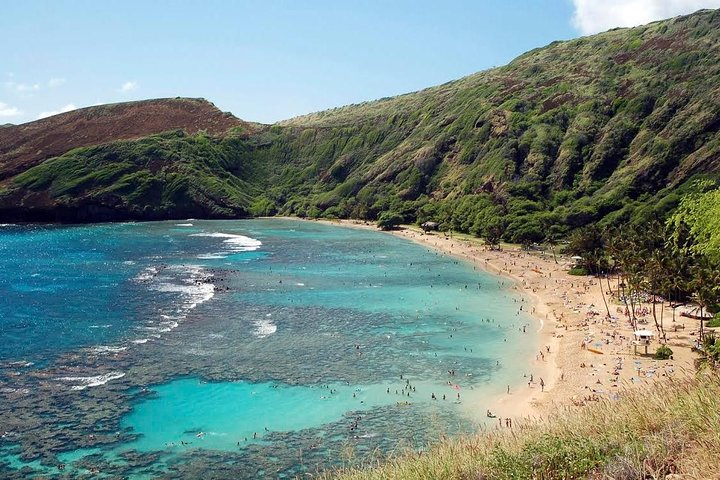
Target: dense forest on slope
(603, 129)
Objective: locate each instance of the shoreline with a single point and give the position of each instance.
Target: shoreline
(571, 315)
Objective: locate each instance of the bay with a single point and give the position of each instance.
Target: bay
(252, 348)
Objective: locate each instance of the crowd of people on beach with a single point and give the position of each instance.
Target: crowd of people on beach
(569, 307)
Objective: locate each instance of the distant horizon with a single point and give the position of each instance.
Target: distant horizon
(289, 60)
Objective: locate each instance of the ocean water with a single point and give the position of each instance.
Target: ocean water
(256, 348)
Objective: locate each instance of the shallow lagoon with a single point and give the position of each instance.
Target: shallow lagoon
(163, 348)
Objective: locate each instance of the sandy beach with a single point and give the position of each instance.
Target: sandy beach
(585, 354)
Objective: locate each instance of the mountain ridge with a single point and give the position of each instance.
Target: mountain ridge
(604, 128)
(32, 142)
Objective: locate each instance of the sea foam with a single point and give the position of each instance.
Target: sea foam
(147, 274)
(264, 328)
(106, 349)
(211, 256)
(95, 381)
(237, 243)
(192, 284)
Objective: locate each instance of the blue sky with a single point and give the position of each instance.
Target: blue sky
(269, 60)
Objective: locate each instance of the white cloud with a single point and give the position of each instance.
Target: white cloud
(22, 87)
(128, 87)
(64, 109)
(55, 82)
(593, 16)
(8, 111)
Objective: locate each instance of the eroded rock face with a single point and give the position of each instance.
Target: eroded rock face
(499, 123)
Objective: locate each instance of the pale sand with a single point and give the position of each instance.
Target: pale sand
(561, 305)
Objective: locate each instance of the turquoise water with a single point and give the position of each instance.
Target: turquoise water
(219, 415)
(252, 348)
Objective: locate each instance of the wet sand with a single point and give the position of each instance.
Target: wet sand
(572, 320)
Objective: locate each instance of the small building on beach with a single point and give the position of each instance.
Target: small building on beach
(642, 337)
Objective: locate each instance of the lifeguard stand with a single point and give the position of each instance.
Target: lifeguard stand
(643, 337)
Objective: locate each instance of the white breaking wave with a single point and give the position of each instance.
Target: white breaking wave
(105, 349)
(237, 243)
(169, 325)
(195, 287)
(19, 363)
(183, 224)
(211, 256)
(85, 382)
(264, 328)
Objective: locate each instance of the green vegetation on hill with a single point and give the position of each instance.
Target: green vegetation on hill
(606, 129)
(161, 176)
(699, 214)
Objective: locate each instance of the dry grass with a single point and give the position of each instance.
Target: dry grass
(674, 428)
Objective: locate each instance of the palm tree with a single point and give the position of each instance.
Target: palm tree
(706, 288)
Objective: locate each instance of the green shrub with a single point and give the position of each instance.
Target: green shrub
(579, 271)
(389, 220)
(263, 207)
(663, 352)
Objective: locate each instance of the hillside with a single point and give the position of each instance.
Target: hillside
(576, 132)
(607, 128)
(24, 146)
(99, 163)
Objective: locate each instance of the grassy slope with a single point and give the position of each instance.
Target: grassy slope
(170, 175)
(674, 428)
(567, 134)
(149, 159)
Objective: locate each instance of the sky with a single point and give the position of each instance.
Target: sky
(270, 60)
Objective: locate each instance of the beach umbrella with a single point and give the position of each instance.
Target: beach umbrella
(695, 312)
